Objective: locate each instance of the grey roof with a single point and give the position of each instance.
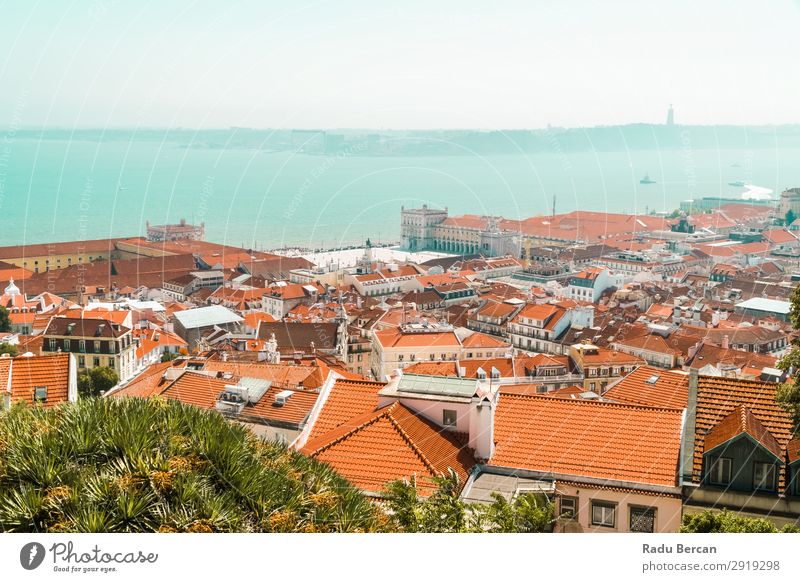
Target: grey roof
(484, 484)
(438, 385)
(764, 304)
(207, 316)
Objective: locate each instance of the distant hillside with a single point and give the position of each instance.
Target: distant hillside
(455, 142)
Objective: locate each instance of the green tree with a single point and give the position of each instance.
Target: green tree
(85, 387)
(9, 349)
(168, 356)
(790, 217)
(444, 512)
(788, 394)
(5, 320)
(96, 381)
(527, 513)
(150, 465)
(728, 522)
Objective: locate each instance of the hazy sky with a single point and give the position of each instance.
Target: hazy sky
(429, 64)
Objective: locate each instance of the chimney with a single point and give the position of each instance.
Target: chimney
(689, 429)
(481, 426)
(726, 342)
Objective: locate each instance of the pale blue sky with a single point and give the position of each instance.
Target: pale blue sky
(426, 65)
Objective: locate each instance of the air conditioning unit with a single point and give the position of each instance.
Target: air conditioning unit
(282, 397)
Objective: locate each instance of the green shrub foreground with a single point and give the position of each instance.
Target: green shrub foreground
(148, 465)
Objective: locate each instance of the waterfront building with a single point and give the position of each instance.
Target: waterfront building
(790, 201)
(416, 226)
(173, 232)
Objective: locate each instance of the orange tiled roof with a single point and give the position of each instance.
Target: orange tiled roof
(482, 340)
(779, 236)
(295, 411)
(433, 368)
(538, 311)
(609, 358)
(391, 443)
(347, 399)
(588, 438)
(739, 422)
(649, 342)
(394, 338)
(717, 397)
(196, 389)
(149, 383)
(28, 372)
(496, 309)
(283, 374)
(251, 319)
(669, 389)
(793, 450)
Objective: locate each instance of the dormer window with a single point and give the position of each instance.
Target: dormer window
(40, 394)
(720, 471)
(763, 476)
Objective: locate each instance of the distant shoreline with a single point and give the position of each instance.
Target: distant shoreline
(462, 142)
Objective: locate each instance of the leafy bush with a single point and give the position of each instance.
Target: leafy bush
(444, 512)
(148, 465)
(728, 522)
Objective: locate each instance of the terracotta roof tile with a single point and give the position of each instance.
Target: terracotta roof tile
(148, 383)
(295, 411)
(793, 450)
(196, 389)
(284, 374)
(717, 397)
(347, 399)
(482, 340)
(740, 422)
(28, 372)
(588, 438)
(651, 387)
(391, 443)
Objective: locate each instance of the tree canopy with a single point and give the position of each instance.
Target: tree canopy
(96, 381)
(9, 349)
(445, 512)
(788, 394)
(5, 320)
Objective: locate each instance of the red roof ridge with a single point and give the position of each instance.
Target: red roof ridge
(347, 429)
(411, 443)
(361, 422)
(606, 403)
(746, 423)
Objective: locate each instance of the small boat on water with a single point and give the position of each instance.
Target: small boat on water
(737, 184)
(647, 180)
